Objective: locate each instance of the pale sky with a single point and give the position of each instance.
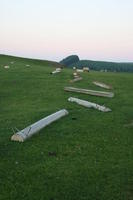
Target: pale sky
(54, 29)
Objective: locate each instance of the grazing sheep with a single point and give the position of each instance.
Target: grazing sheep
(6, 67)
(86, 69)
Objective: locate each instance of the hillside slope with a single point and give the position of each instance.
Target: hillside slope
(85, 155)
(6, 60)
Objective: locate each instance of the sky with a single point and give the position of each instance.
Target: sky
(54, 29)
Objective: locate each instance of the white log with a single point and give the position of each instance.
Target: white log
(58, 70)
(103, 85)
(75, 74)
(54, 72)
(79, 70)
(24, 134)
(90, 92)
(76, 79)
(89, 104)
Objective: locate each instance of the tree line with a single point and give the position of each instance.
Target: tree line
(74, 61)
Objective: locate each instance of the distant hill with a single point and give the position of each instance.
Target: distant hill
(70, 60)
(74, 61)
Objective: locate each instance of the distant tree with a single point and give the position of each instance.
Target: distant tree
(100, 65)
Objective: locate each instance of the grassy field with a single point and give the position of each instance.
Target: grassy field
(87, 155)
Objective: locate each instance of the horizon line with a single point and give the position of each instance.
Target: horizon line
(35, 58)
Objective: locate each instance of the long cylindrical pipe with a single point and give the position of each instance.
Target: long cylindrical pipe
(24, 134)
(90, 92)
(89, 104)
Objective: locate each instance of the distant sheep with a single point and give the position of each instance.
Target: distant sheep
(6, 67)
(86, 69)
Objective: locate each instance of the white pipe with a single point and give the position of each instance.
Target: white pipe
(90, 92)
(89, 104)
(58, 70)
(54, 72)
(103, 85)
(79, 70)
(76, 79)
(24, 134)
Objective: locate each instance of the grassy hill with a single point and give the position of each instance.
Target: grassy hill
(85, 155)
(6, 60)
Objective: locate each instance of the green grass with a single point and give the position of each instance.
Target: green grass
(87, 155)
